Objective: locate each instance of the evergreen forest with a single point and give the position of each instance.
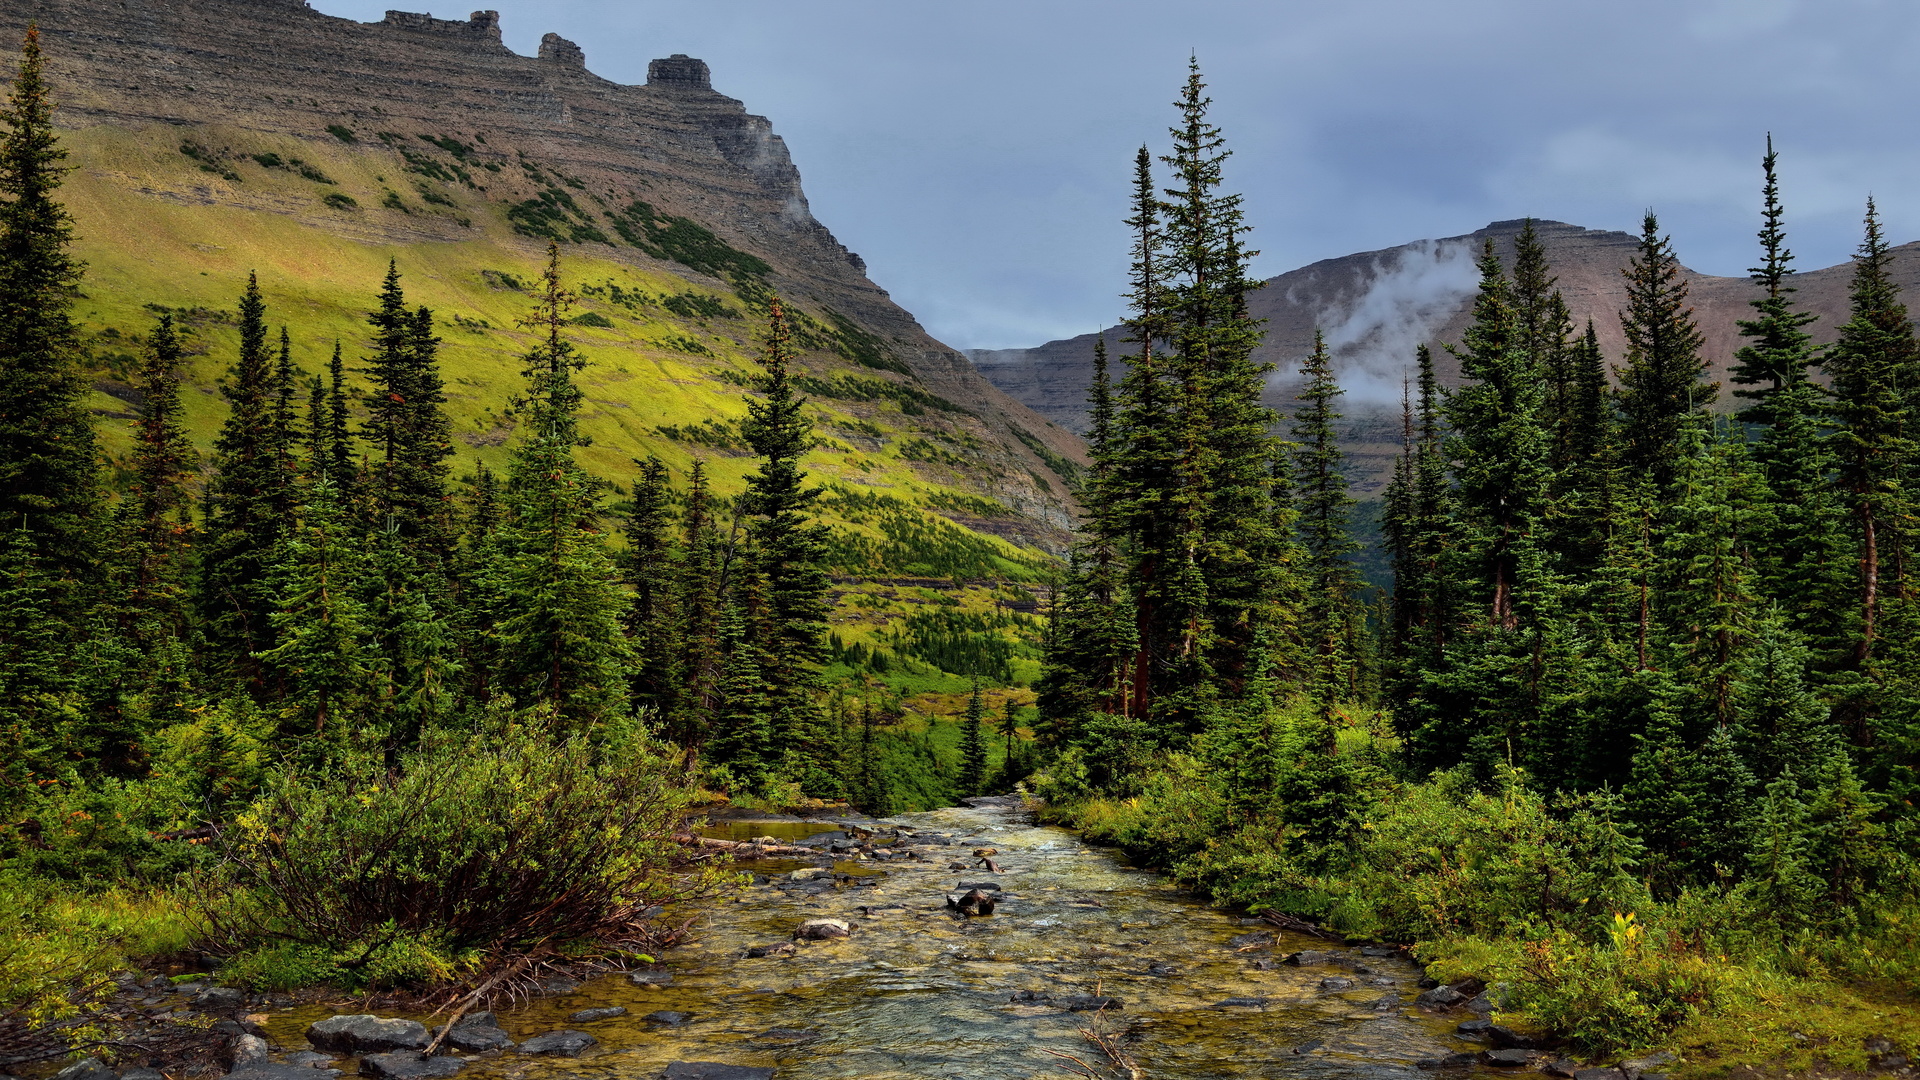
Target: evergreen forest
(1633, 737)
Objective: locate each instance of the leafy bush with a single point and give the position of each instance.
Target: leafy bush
(470, 845)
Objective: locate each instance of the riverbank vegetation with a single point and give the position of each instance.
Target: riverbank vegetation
(1634, 738)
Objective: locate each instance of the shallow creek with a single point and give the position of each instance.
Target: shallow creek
(915, 992)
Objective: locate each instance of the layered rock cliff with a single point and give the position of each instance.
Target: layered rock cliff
(217, 136)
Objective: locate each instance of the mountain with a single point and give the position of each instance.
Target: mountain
(1376, 307)
(211, 138)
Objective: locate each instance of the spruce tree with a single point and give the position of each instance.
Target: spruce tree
(649, 564)
(789, 548)
(406, 423)
(158, 510)
(1326, 540)
(244, 517)
(743, 738)
(323, 656)
(697, 594)
(47, 455)
(560, 604)
(1872, 365)
(1662, 388)
(973, 745)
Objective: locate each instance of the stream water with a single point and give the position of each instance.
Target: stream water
(917, 992)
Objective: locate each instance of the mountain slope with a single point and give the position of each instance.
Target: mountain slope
(1376, 307)
(216, 137)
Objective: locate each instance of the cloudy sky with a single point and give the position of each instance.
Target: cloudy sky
(977, 153)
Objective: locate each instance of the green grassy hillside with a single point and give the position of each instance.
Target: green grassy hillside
(174, 218)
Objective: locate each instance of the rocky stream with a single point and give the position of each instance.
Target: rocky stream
(853, 960)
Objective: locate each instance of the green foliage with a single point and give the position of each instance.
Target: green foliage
(684, 241)
(343, 133)
(467, 845)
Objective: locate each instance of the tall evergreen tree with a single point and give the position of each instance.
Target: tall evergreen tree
(1662, 388)
(973, 745)
(789, 546)
(47, 455)
(158, 510)
(561, 642)
(406, 422)
(649, 564)
(1872, 364)
(1326, 540)
(322, 654)
(245, 519)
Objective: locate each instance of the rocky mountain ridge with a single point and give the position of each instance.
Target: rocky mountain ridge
(1376, 307)
(228, 135)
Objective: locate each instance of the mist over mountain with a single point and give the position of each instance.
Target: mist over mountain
(1377, 307)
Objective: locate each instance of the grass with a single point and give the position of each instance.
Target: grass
(668, 348)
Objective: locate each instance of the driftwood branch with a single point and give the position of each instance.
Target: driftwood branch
(691, 840)
(1299, 926)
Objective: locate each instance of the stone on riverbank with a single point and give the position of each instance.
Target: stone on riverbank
(477, 1038)
(272, 1071)
(588, 1016)
(822, 930)
(90, 1069)
(408, 1065)
(366, 1034)
(558, 1044)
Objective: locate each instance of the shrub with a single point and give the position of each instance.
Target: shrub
(340, 200)
(469, 845)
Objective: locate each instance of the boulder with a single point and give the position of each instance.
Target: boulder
(1336, 983)
(482, 1018)
(408, 1065)
(143, 1074)
(246, 1050)
(822, 930)
(365, 1034)
(558, 1044)
(759, 951)
(1509, 1059)
(1635, 1068)
(1564, 1067)
(1440, 997)
(1506, 1037)
(219, 997)
(605, 1012)
(714, 1070)
(667, 1017)
(1480, 1003)
(809, 875)
(1248, 941)
(87, 1069)
(1474, 1027)
(1309, 957)
(477, 1039)
(273, 1071)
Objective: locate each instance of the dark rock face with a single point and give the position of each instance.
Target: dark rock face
(559, 1044)
(1440, 997)
(588, 1016)
(680, 71)
(477, 1039)
(409, 1066)
(89, 1069)
(559, 50)
(365, 1034)
(219, 997)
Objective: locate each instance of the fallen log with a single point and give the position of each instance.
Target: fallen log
(691, 840)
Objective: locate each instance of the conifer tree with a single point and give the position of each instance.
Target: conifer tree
(35, 683)
(561, 642)
(322, 656)
(245, 496)
(697, 594)
(743, 720)
(47, 467)
(158, 511)
(1872, 364)
(1325, 508)
(649, 564)
(1706, 592)
(1662, 388)
(790, 548)
(406, 422)
(973, 745)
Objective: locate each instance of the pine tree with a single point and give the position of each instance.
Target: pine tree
(244, 519)
(35, 683)
(47, 455)
(1543, 331)
(1325, 507)
(1706, 592)
(649, 563)
(1795, 544)
(561, 642)
(790, 549)
(322, 656)
(1873, 362)
(744, 718)
(973, 746)
(406, 422)
(697, 594)
(158, 510)
(1661, 386)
